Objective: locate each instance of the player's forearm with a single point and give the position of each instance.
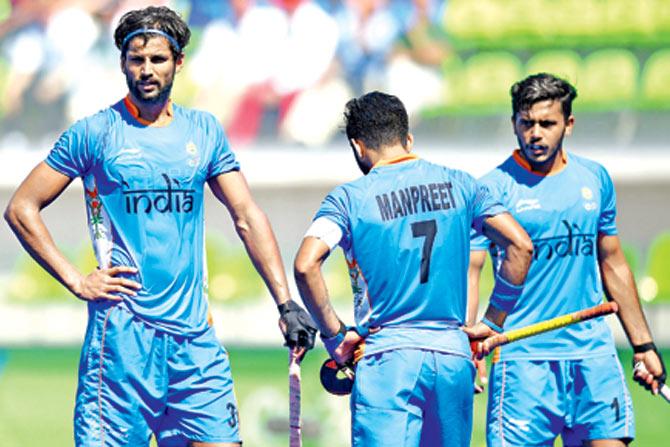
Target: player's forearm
(261, 245)
(514, 266)
(620, 287)
(314, 294)
(506, 232)
(27, 224)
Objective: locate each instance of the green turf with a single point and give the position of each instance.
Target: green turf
(37, 387)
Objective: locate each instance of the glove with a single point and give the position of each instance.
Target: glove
(300, 329)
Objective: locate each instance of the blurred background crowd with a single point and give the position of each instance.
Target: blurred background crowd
(277, 72)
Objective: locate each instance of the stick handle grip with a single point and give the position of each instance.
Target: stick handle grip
(663, 389)
(295, 424)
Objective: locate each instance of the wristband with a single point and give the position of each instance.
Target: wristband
(492, 325)
(505, 294)
(331, 343)
(644, 347)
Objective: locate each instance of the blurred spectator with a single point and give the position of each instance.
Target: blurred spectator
(414, 71)
(267, 57)
(368, 31)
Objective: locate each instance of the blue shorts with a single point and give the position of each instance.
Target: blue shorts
(531, 403)
(412, 397)
(135, 380)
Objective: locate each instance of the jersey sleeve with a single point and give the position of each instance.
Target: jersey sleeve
(485, 205)
(223, 158)
(607, 218)
(72, 155)
(335, 208)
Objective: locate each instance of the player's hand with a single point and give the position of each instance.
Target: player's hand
(105, 284)
(297, 326)
(649, 369)
(477, 334)
(344, 354)
(481, 378)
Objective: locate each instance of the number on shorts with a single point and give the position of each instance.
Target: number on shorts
(233, 414)
(615, 406)
(427, 229)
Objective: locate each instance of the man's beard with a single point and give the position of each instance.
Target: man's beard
(154, 97)
(359, 162)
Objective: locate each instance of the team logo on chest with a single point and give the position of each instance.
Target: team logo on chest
(587, 195)
(192, 151)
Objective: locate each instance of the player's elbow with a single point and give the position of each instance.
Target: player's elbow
(14, 214)
(522, 250)
(304, 267)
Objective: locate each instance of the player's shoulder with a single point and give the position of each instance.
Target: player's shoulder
(587, 163)
(590, 166)
(97, 123)
(503, 173)
(447, 172)
(198, 116)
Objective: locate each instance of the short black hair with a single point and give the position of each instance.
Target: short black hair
(377, 119)
(153, 17)
(542, 87)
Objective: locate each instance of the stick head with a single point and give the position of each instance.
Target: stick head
(336, 379)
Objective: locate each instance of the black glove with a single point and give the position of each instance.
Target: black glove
(639, 349)
(300, 328)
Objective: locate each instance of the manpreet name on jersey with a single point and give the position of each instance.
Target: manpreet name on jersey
(415, 199)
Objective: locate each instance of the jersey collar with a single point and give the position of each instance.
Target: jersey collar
(135, 112)
(525, 165)
(396, 160)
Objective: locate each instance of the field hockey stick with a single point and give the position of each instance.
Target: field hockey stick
(663, 389)
(295, 429)
(548, 325)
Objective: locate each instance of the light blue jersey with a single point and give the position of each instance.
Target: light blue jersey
(144, 199)
(563, 214)
(406, 227)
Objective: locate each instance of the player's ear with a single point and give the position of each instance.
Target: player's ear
(358, 147)
(569, 123)
(409, 144)
(179, 63)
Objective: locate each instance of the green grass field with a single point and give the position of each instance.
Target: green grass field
(37, 387)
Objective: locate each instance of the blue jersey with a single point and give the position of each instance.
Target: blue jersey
(563, 214)
(406, 227)
(144, 199)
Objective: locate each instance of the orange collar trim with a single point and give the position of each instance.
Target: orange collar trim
(524, 163)
(396, 160)
(135, 112)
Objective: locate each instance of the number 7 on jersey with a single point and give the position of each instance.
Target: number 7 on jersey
(427, 229)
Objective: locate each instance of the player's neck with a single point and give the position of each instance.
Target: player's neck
(150, 114)
(389, 154)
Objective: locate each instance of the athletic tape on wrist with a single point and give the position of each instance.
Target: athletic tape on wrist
(331, 343)
(505, 294)
(492, 325)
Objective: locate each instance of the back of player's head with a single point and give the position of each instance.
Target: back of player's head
(542, 87)
(149, 22)
(376, 119)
